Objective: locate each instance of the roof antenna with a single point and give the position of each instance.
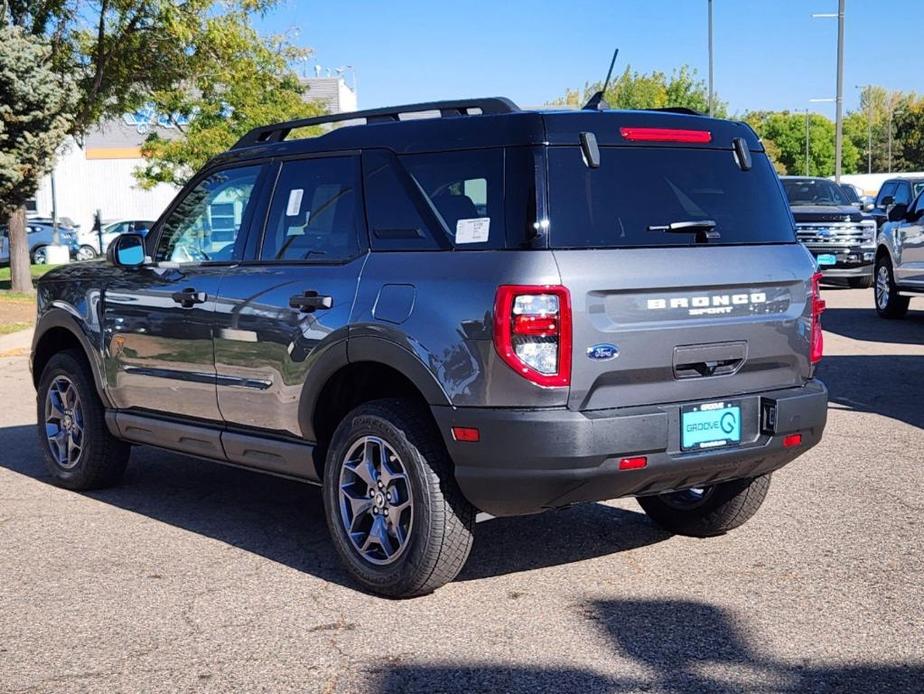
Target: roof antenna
(596, 102)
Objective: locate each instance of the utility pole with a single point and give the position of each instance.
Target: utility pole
(891, 110)
(711, 65)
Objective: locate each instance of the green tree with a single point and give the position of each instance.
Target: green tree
(243, 81)
(909, 133)
(784, 133)
(635, 90)
(122, 54)
(34, 103)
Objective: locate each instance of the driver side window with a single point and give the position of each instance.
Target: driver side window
(205, 225)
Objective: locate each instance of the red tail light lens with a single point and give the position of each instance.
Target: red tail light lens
(532, 332)
(818, 307)
(665, 135)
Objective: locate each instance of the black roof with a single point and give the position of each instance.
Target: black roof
(477, 123)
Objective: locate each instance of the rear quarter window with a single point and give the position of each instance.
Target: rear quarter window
(636, 188)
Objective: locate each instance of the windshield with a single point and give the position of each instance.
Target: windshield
(654, 196)
(814, 191)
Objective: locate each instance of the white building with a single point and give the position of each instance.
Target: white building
(100, 174)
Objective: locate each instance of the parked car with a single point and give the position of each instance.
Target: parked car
(895, 191)
(489, 310)
(89, 240)
(39, 236)
(900, 258)
(841, 237)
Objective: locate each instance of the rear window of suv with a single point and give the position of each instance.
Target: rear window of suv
(637, 188)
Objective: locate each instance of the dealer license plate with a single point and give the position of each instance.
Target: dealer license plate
(710, 425)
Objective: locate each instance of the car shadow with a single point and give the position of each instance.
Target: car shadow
(283, 520)
(682, 646)
(866, 325)
(889, 385)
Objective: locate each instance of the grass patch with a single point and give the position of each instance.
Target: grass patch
(7, 328)
(36, 270)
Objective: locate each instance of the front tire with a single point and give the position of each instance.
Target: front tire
(79, 451)
(707, 511)
(888, 302)
(396, 515)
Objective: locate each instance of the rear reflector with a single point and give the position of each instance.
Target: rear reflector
(665, 135)
(792, 440)
(466, 434)
(633, 463)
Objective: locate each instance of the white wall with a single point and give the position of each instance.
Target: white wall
(85, 185)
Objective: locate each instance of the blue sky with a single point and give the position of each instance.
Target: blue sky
(770, 54)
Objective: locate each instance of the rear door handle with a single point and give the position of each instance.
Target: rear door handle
(310, 301)
(190, 297)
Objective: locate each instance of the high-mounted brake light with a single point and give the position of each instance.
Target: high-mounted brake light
(665, 135)
(532, 332)
(818, 307)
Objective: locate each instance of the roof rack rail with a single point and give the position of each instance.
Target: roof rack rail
(278, 132)
(678, 109)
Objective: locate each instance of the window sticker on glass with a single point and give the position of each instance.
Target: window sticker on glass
(295, 201)
(472, 230)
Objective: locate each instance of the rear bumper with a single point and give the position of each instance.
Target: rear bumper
(530, 460)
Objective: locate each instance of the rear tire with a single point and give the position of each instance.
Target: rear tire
(860, 282)
(85, 252)
(400, 525)
(39, 256)
(707, 511)
(79, 451)
(888, 303)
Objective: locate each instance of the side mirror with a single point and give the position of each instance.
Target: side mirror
(886, 201)
(127, 250)
(898, 212)
(868, 205)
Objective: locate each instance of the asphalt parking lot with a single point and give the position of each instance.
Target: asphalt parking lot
(196, 576)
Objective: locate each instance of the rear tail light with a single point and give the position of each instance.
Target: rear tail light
(818, 306)
(532, 332)
(665, 135)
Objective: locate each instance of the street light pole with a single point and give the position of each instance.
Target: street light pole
(839, 119)
(711, 64)
(806, 142)
(839, 100)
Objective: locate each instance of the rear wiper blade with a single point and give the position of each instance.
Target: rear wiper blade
(704, 226)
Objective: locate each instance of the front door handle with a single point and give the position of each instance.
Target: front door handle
(310, 301)
(190, 297)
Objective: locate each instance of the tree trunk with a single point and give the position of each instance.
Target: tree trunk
(20, 272)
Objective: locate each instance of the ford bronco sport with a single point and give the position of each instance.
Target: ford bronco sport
(485, 310)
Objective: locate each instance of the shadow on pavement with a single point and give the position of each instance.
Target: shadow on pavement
(865, 324)
(681, 646)
(283, 520)
(889, 385)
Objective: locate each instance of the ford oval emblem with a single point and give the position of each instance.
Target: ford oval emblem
(603, 352)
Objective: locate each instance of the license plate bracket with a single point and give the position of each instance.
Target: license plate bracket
(826, 259)
(710, 425)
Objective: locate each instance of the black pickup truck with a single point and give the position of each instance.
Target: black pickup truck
(841, 237)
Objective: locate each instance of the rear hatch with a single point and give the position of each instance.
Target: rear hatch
(715, 306)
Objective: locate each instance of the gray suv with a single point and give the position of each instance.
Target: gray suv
(485, 310)
(900, 258)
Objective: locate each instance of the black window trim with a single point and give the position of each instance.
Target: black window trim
(260, 231)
